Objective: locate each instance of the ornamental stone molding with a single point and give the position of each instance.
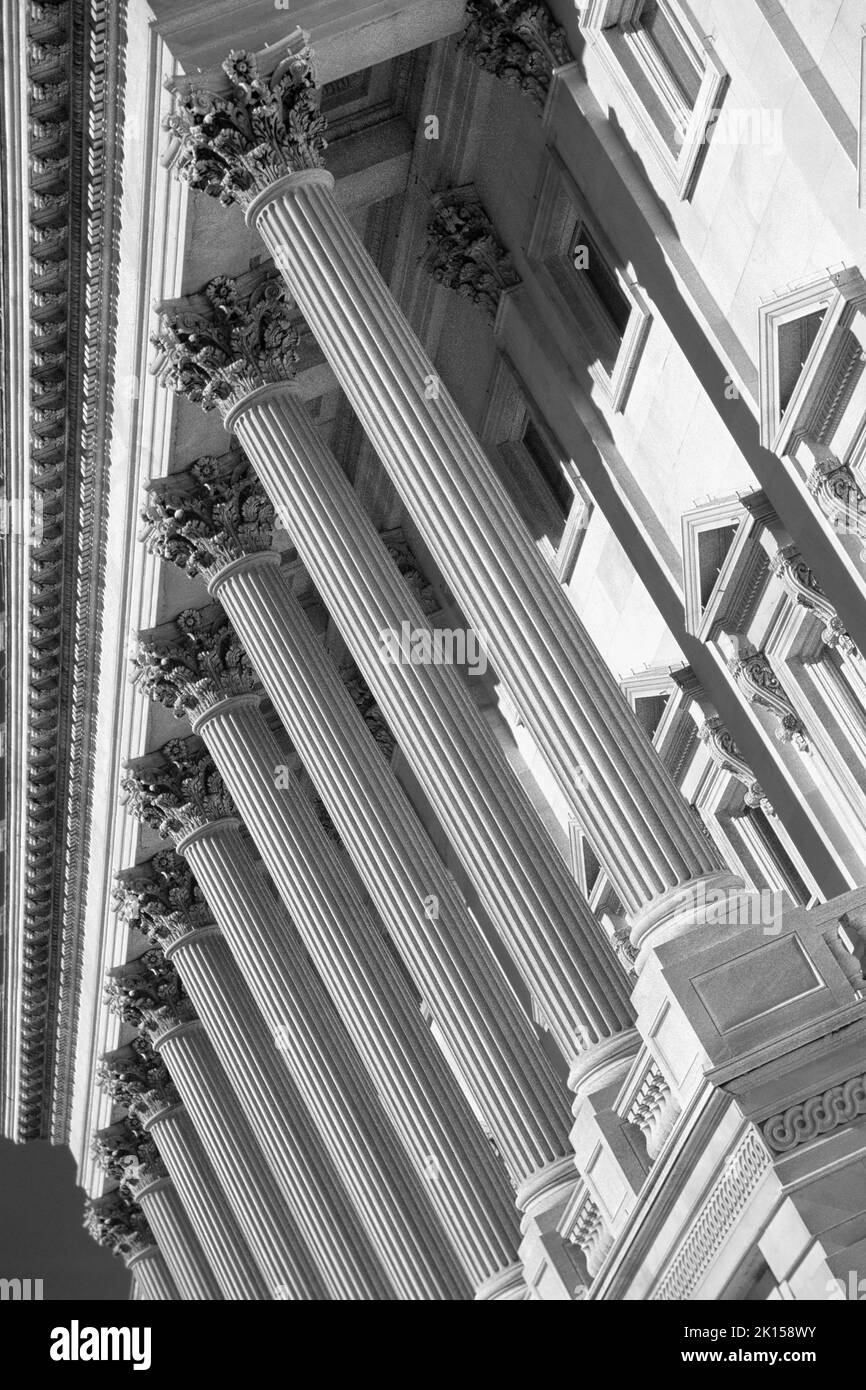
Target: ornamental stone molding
(212, 513)
(519, 43)
(193, 663)
(118, 1224)
(65, 70)
(216, 347)
(147, 993)
(176, 789)
(725, 754)
(464, 253)
(758, 683)
(255, 120)
(137, 1078)
(797, 579)
(591, 1235)
(835, 489)
(820, 1114)
(161, 899)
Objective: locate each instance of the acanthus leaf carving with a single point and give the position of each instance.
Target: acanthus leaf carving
(176, 789)
(137, 1078)
(118, 1224)
(463, 252)
(217, 347)
(161, 899)
(210, 514)
(237, 132)
(519, 43)
(194, 662)
(724, 752)
(148, 994)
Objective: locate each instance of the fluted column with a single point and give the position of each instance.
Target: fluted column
(130, 1156)
(421, 1096)
(117, 1223)
(137, 1078)
(258, 1204)
(522, 879)
(493, 1043)
(163, 900)
(152, 1276)
(183, 1253)
(640, 827)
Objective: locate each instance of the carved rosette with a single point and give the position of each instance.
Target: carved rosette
(725, 754)
(797, 579)
(128, 1155)
(137, 1078)
(212, 513)
(147, 993)
(192, 664)
(760, 685)
(519, 43)
(161, 899)
(835, 489)
(236, 132)
(464, 253)
(176, 789)
(118, 1224)
(217, 347)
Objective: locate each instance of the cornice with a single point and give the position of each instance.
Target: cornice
(72, 52)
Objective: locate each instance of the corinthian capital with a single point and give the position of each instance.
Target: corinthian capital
(235, 336)
(118, 1224)
(137, 1078)
(251, 122)
(192, 663)
(519, 43)
(464, 253)
(128, 1155)
(176, 789)
(148, 994)
(161, 899)
(213, 512)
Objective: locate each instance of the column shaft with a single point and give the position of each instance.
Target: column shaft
(258, 1205)
(206, 1205)
(279, 1120)
(181, 1250)
(425, 1104)
(494, 1046)
(150, 1272)
(640, 827)
(514, 864)
(386, 1192)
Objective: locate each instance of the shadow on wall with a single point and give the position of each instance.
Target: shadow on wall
(41, 1235)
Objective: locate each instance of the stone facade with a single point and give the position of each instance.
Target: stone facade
(435, 702)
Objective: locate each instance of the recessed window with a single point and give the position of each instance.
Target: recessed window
(550, 470)
(587, 259)
(713, 546)
(795, 341)
(649, 710)
(666, 33)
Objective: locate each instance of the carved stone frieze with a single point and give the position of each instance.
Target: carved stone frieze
(237, 131)
(191, 664)
(463, 252)
(519, 43)
(176, 789)
(809, 1119)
